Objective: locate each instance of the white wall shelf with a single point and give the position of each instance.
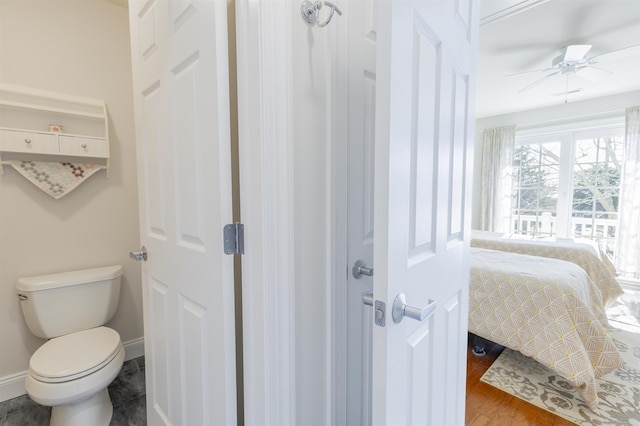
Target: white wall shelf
(27, 113)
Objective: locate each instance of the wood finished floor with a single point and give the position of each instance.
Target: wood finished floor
(487, 405)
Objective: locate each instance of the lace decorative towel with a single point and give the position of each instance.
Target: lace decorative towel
(56, 179)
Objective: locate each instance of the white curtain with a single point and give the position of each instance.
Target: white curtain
(497, 166)
(628, 249)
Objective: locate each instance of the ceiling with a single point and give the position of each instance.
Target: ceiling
(524, 35)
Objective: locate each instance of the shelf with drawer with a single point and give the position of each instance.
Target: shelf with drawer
(52, 143)
(28, 115)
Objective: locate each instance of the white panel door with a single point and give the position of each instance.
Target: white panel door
(180, 74)
(424, 133)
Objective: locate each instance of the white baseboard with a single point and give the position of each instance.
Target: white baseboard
(133, 348)
(12, 386)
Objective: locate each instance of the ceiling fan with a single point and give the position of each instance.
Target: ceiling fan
(573, 60)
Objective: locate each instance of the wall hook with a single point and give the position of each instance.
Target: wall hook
(310, 11)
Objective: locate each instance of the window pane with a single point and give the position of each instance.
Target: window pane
(550, 153)
(607, 175)
(535, 188)
(607, 200)
(582, 199)
(528, 199)
(548, 198)
(596, 183)
(549, 176)
(586, 151)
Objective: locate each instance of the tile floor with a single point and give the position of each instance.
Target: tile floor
(127, 394)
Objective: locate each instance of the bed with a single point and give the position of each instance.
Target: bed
(546, 308)
(583, 253)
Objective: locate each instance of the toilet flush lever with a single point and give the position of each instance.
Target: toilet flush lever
(139, 255)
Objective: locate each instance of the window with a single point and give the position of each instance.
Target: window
(566, 182)
(535, 188)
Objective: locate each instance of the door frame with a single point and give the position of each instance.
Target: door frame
(339, 219)
(263, 34)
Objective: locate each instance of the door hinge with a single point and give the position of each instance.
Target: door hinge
(234, 238)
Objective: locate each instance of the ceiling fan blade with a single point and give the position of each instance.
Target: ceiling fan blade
(535, 83)
(623, 52)
(592, 73)
(575, 52)
(528, 72)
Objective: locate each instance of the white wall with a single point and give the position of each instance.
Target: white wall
(593, 108)
(81, 48)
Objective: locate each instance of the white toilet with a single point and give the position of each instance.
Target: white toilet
(72, 370)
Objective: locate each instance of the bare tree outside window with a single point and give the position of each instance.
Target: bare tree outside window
(535, 188)
(595, 188)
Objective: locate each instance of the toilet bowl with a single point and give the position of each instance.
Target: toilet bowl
(71, 374)
(72, 370)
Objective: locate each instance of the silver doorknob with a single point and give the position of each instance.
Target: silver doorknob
(360, 269)
(139, 255)
(401, 310)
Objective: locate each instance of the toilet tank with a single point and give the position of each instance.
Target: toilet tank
(58, 304)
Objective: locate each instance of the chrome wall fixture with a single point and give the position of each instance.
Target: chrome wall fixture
(310, 11)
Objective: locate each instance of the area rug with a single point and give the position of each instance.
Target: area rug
(619, 391)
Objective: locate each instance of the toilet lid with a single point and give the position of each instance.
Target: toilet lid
(74, 355)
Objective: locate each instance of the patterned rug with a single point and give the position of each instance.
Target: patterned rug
(619, 391)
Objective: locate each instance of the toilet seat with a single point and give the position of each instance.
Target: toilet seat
(75, 355)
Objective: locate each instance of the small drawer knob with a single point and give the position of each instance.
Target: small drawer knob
(27, 140)
(84, 145)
